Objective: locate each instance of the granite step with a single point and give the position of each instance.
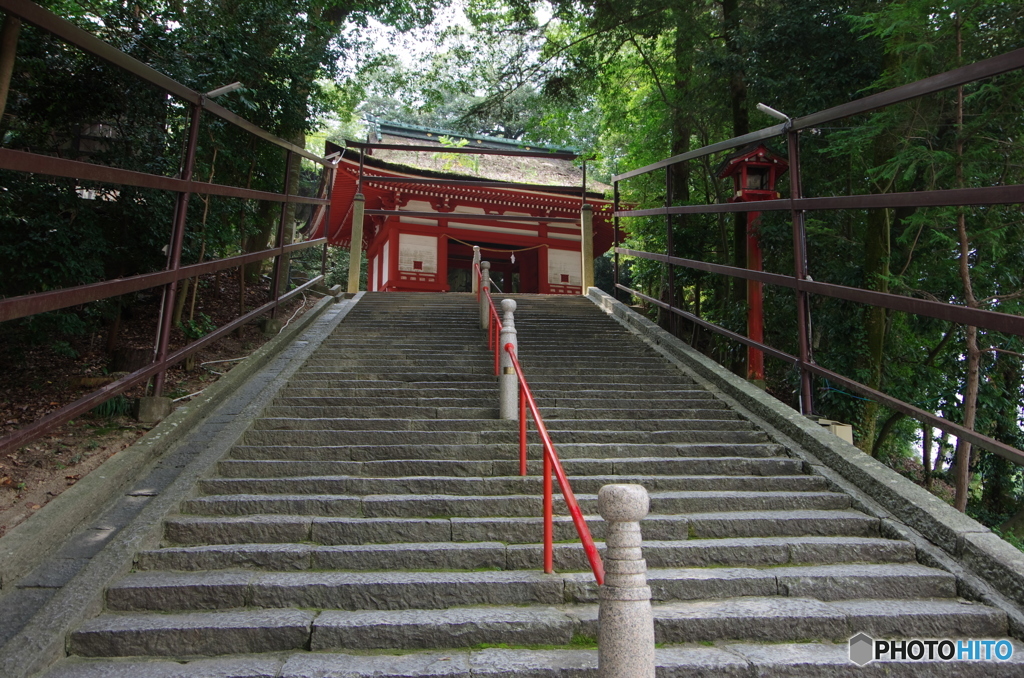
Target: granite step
(247, 529)
(258, 463)
(753, 552)
(361, 485)
(512, 505)
(723, 659)
(751, 619)
(408, 590)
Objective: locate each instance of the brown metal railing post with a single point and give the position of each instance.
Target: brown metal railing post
(803, 310)
(174, 250)
(670, 249)
(275, 283)
(327, 220)
(615, 230)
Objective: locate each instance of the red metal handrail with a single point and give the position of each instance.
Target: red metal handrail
(493, 321)
(552, 464)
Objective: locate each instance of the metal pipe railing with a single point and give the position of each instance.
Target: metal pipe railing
(165, 354)
(797, 204)
(551, 463)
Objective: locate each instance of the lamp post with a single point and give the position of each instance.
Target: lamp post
(754, 171)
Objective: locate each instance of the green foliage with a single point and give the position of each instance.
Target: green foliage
(194, 328)
(451, 161)
(63, 348)
(118, 406)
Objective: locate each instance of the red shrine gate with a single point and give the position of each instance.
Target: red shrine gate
(421, 227)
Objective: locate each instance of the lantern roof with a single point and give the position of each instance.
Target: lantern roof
(754, 153)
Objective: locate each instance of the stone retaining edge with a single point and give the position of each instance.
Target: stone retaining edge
(28, 544)
(974, 546)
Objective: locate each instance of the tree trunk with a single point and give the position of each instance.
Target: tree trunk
(299, 139)
(8, 54)
(963, 448)
(740, 126)
(179, 302)
(926, 454)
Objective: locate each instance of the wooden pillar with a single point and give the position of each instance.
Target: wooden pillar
(587, 248)
(356, 248)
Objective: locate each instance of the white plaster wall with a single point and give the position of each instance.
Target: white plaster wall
(564, 262)
(417, 248)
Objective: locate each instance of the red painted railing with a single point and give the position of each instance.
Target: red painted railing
(552, 464)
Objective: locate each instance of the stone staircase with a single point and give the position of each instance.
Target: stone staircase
(372, 523)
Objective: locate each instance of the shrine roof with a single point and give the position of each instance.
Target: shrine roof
(378, 163)
(405, 130)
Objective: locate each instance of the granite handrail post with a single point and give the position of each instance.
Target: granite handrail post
(476, 265)
(508, 382)
(485, 287)
(626, 621)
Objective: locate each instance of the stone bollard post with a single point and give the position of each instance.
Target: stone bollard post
(508, 382)
(625, 638)
(485, 284)
(472, 269)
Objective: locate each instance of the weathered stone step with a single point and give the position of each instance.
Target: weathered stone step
(846, 581)
(755, 552)
(732, 659)
(418, 379)
(191, 634)
(781, 523)
(521, 505)
(393, 411)
(284, 557)
(371, 452)
(409, 400)
(577, 397)
(574, 426)
(413, 408)
(752, 619)
(274, 529)
(664, 397)
(409, 361)
(381, 425)
(330, 437)
(637, 453)
(250, 529)
(456, 627)
(498, 485)
(403, 590)
(429, 382)
(266, 464)
(770, 619)
(164, 591)
(334, 437)
(361, 390)
(727, 421)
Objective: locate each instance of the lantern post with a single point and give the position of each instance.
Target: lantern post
(754, 171)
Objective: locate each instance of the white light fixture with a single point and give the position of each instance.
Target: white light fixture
(768, 110)
(231, 88)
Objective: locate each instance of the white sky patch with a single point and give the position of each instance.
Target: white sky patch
(415, 47)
